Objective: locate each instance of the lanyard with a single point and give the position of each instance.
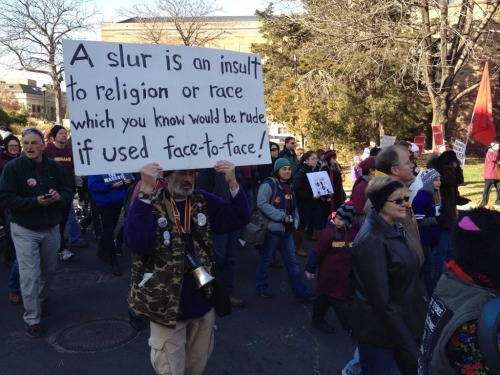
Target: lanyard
(184, 229)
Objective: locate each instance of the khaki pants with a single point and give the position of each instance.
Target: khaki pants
(37, 256)
(183, 350)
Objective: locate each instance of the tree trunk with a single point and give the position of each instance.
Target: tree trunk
(57, 96)
(440, 113)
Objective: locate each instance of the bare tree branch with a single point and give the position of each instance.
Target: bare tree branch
(188, 22)
(32, 31)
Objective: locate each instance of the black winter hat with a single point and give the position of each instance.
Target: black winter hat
(55, 129)
(9, 138)
(447, 158)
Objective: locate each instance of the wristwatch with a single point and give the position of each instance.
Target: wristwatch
(143, 195)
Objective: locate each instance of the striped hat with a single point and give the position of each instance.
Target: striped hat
(346, 213)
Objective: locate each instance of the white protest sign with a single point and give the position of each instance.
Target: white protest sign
(387, 140)
(459, 148)
(320, 183)
(183, 107)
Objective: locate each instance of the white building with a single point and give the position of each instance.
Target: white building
(278, 132)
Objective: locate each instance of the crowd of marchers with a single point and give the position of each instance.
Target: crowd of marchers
(413, 280)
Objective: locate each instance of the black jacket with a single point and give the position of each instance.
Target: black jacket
(302, 187)
(20, 185)
(389, 307)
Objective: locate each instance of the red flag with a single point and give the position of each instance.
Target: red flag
(483, 128)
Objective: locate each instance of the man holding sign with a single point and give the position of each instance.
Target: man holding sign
(166, 227)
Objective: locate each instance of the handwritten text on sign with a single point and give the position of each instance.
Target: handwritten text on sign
(183, 107)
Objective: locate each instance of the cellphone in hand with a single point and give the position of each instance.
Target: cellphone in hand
(47, 196)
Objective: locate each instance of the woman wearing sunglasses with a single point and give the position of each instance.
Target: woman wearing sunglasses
(266, 170)
(389, 308)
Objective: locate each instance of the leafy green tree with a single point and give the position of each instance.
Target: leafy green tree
(433, 40)
(323, 98)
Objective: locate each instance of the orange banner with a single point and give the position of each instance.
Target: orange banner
(483, 127)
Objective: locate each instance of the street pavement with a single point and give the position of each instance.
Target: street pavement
(87, 330)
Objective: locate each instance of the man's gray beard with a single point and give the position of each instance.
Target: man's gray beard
(182, 192)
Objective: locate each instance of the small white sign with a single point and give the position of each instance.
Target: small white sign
(183, 107)
(459, 148)
(320, 183)
(387, 140)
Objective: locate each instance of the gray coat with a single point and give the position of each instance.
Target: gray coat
(272, 214)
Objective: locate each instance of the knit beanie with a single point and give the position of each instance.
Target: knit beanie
(346, 213)
(368, 163)
(281, 162)
(428, 176)
(55, 129)
(9, 138)
(328, 155)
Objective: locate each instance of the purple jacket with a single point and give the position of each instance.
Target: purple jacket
(490, 165)
(140, 225)
(424, 208)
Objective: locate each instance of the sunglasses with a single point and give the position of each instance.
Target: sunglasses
(399, 200)
(274, 149)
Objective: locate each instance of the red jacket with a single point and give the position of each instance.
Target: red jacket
(334, 274)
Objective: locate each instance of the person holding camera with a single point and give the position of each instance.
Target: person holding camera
(34, 188)
(278, 212)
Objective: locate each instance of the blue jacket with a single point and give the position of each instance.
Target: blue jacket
(104, 194)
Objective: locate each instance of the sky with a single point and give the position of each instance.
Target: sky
(108, 12)
(230, 7)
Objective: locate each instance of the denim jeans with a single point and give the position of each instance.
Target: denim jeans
(376, 360)
(224, 247)
(427, 270)
(354, 366)
(62, 225)
(14, 277)
(72, 226)
(486, 192)
(282, 242)
(443, 251)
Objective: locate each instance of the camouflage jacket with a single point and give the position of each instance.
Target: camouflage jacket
(159, 297)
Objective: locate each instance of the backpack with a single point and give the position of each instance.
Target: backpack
(255, 234)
